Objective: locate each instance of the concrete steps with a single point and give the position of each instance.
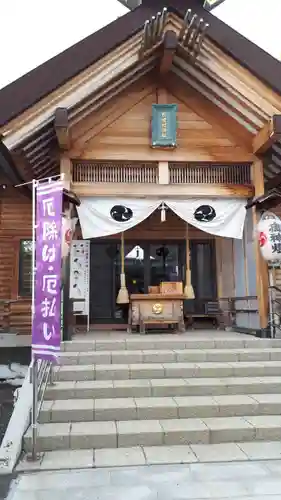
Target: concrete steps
(167, 370)
(134, 396)
(170, 432)
(154, 408)
(142, 388)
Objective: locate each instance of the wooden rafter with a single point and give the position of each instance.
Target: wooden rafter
(169, 49)
(62, 128)
(268, 135)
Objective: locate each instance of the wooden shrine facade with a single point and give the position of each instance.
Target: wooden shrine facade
(91, 119)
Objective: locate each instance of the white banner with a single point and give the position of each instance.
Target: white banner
(221, 217)
(101, 217)
(105, 216)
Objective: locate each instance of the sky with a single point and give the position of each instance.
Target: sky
(33, 31)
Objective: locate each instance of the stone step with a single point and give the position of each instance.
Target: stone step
(170, 342)
(155, 455)
(162, 387)
(159, 408)
(169, 432)
(169, 356)
(167, 370)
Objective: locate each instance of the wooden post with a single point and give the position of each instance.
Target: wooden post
(66, 170)
(261, 264)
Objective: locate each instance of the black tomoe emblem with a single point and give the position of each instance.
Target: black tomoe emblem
(205, 213)
(119, 213)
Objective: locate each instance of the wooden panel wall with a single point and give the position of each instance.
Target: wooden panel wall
(201, 136)
(15, 224)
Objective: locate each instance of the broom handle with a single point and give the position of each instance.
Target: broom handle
(122, 254)
(187, 252)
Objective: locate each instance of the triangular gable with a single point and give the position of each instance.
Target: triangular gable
(42, 81)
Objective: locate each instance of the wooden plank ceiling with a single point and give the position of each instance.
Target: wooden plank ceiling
(166, 45)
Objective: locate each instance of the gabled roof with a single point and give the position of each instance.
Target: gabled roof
(38, 83)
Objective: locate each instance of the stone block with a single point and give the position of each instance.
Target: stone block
(197, 407)
(169, 455)
(72, 410)
(75, 373)
(60, 390)
(184, 431)
(191, 356)
(230, 429)
(139, 433)
(67, 459)
(222, 452)
(115, 409)
(126, 357)
(267, 428)
(94, 357)
(160, 356)
(132, 388)
(262, 450)
(112, 372)
(156, 408)
(94, 389)
(146, 371)
(214, 370)
(236, 405)
(85, 435)
(50, 437)
(180, 370)
(119, 457)
(168, 387)
(68, 358)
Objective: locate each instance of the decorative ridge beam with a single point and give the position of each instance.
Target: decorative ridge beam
(192, 33)
(267, 136)
(169, 49)
(61, 125)
(153, 31)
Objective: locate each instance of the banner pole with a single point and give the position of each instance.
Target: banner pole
(34, 360)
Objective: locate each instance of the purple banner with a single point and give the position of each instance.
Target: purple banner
(46, 322)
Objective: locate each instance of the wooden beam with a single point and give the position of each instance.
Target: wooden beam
(160, 190)
(169, 49)
(267, 136)
(62, 128)
(261, 264)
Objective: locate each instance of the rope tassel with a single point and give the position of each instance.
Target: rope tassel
(123, 294)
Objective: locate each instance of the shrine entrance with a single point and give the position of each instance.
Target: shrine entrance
(147, 264)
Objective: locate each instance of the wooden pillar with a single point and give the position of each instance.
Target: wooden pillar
(66, 169)
(262, 270)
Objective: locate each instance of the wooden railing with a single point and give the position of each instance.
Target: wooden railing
(106, 172)
(194, 173)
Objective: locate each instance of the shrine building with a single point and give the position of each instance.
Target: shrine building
(166, 125)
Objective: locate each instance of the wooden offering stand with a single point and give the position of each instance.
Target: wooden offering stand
(161, 306)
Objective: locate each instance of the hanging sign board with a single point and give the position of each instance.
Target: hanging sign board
(164, 126)
(46, 320)
(269, 236)
(80, 277)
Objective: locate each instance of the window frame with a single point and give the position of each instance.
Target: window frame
(21, 292)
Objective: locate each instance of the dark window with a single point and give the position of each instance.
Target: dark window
(25, 268)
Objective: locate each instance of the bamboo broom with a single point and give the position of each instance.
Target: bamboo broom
(123, 295)
(188, 289)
